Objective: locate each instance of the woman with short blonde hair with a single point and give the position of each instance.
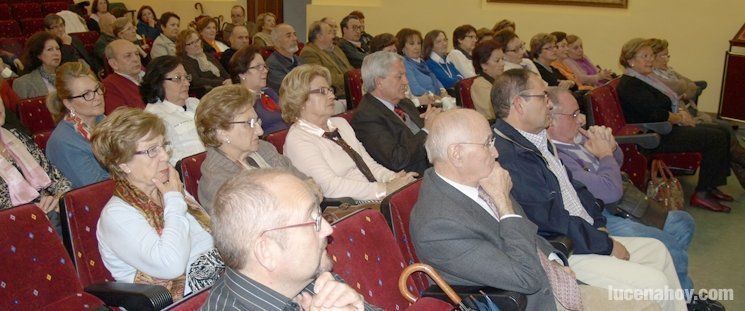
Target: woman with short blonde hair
(325, 147)
(230, 129)
(173, 247)
(266, 22)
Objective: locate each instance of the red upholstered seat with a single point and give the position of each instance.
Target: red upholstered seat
(397, 209)
(300, 47)
(278, 139)
(34, 115)
(26, 10)
(365, 255)
(463, 89)
(41, 139)
(9, 28)
(606, 110)
(53, 7)
(5, 12)
(347, 115)
(38, 273)
(266, 51)
(353, 88)
(191, 171)
(10, 98)
(83, 207)
(13, 45)
(88, 38)
(32, 25)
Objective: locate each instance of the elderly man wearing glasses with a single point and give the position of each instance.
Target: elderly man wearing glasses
(269, 228)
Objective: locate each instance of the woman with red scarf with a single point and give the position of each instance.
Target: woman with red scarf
(248, 69)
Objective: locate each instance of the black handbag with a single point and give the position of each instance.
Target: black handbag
(635, 205)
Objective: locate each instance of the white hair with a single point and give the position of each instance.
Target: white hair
(377, 65)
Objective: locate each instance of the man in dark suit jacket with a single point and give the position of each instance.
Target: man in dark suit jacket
(471, 243)
(351, 31)
(386, 122)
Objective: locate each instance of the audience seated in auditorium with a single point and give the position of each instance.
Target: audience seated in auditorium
(559, 205)
(387, 123)
(464, 40)
(435, 52)
(72, 48)
(77, 106)
(283, 59)
(263, 222)
(165, 87)
(238, 18)
(350, 44)
(321, 50)
(543, 51)
(248, 69)
(562, 52)
(124, 29)
(593, 158)
(325, 148)
(230, 129)
(147, 23)
(504, 24)
(489, 63)
(165, 43)
(26, 174)
(123, 85)
(206, 71)
(207, 29)
(424, 86)
(263, 36)
(41, 57)
(238, 39)
(365, 37)
(383, 42)
(99, 8)
(150, 231)
(466, 225)
(484, 34)
(514, 51)
(105, 36)
(645, 98)
(585, 71)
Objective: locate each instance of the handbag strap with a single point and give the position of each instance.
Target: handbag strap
(665, 170)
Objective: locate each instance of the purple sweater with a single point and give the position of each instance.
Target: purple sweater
(601, 176)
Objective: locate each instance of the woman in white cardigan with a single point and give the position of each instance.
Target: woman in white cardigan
(325, 148)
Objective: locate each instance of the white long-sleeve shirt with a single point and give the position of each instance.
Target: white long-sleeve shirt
(181, 130)
(128, 243)
(462, 63)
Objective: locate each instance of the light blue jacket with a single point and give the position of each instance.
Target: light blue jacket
(421, 79)
(71, 153)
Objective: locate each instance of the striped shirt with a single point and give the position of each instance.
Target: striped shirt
(235, 291)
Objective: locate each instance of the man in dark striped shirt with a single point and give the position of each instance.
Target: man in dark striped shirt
(268, 227)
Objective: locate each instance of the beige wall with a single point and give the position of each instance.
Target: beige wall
(698, 31)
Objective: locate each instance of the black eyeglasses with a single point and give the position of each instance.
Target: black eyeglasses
(90, 95)
(573, 114)
(322, 91)
(179, 78)
(252, 123)
(154, 151)
(316, 222)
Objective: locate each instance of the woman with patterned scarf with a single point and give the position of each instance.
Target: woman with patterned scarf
(77, 106)
(151, 231)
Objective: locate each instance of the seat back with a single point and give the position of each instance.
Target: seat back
(13, 45)
(353, 88)
(278, 139)
(397, 208)
(82, 208)
(266, 51)
(27, 10)
(32, 25)
(606, 107)
(347, 115)
(191, 172)
(365, 255)
(53, 7)
(37, 270)
(10, 28)
(463, 89)
(41, 139)
(34, 115)
(5, 13)
(88, 39)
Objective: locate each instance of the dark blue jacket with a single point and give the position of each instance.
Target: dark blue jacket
(537, 190)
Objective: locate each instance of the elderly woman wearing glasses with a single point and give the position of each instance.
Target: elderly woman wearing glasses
(77, 106)
(248, 69)
(165, 87)
(205, 69)
(230, 129)
(150, 231)
(326, 148)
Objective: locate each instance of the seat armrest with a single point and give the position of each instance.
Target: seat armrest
(131, 296)
(661, 128)
(336, 202)
(505, 300)
(646, 141)
(562, 244)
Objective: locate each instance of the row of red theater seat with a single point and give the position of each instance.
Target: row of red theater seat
(25, 18)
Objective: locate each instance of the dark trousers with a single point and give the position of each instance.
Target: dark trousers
(711, 141)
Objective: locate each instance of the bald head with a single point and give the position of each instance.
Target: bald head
(239, 37)
(452, 127)
(124, 57)
(106, 23)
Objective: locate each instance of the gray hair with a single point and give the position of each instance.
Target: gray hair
(377, 65)
(315, 30)
(553, 94)
(448, 128)
(506, 86)
(245, 206)
(276, 32)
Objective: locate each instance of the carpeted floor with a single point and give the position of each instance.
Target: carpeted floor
(717, 253)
